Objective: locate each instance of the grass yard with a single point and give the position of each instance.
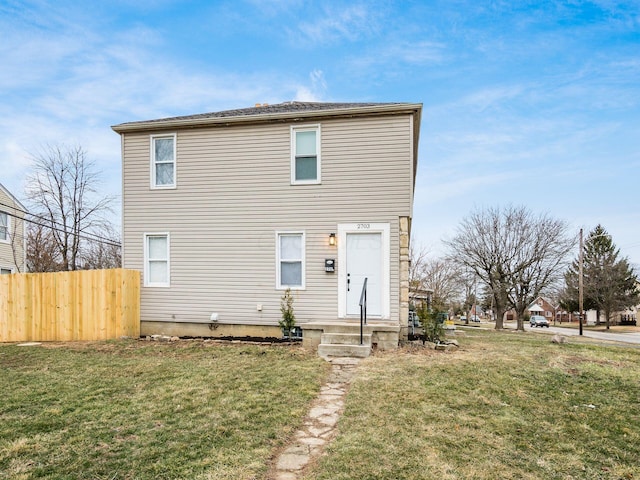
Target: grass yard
(142, 410)
(504, 406)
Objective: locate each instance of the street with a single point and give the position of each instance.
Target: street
(609, 336)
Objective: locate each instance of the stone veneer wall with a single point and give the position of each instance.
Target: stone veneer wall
(404, 277)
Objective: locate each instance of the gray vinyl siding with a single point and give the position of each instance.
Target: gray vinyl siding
(234, 193)
(16, 235)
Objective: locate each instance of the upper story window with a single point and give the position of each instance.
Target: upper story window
(4, 227)
(163, 161)
(305, 154)
(290, 260)
(156, 260)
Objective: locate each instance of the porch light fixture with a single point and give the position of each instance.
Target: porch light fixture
(332, 239)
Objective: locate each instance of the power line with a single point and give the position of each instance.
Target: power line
(62, 229)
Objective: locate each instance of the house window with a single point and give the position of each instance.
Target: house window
(290, 260)
(156, 260)
(163, 161)
(5, 271)
(4, 227)
(305, 154)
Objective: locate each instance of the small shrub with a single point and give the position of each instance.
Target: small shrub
(288, 320)
(432, 327)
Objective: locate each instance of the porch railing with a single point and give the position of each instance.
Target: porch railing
(363, 310)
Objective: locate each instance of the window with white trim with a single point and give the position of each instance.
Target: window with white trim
(4, 227)
(290, 260)
(305, 154)
(156, 260)
(163, 161)
(6, 271)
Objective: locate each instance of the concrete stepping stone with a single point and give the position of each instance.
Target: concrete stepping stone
(320, 426)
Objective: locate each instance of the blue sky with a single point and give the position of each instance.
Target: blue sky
(525, 102)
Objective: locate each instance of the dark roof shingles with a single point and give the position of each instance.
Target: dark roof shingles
(285, 107)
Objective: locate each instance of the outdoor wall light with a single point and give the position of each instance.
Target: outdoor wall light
(332, 239)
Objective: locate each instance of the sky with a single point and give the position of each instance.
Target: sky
(533, 103)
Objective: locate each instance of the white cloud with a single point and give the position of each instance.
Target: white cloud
(440, 190)
(315, 91)
(335, 24)
(70, 88)
(481, 100)
(272, 8)
(401, 53)
(304, 94)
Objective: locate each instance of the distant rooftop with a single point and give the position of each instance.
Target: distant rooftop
(266, 111)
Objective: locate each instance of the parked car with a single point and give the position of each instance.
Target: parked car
(538, 321)
(475, 318)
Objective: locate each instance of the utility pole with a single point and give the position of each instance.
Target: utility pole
(580, 284)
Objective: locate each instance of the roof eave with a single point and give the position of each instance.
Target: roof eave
(13, 197)
(414, 108)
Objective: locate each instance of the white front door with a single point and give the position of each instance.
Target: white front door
(364, 260)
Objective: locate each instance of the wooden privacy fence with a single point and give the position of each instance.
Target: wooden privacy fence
(64, 306)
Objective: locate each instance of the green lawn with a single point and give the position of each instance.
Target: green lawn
(139, 410)
(504, 406)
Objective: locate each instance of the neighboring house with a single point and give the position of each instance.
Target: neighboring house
(543, 306)
(222, 212)
(540, 306)
(12, 236)
(420, 297)
(565, 316)
(476, 311)
(622, 317)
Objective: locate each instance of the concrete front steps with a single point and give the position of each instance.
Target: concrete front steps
(342, 338)
(344, 345)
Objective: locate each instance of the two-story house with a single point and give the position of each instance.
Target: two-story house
(12, 236)
(222, 212)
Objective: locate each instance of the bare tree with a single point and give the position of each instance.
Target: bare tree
(443, 278)
(105, 253)
(417, 258)
(62, 192)
(42, 254)
(515, 253)
(438, 275)
(469, 287)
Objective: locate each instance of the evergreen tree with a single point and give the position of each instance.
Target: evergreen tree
(610, 284)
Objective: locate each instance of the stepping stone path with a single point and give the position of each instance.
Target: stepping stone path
(319, 427)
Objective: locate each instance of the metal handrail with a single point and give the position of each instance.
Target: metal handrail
(363, 309)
